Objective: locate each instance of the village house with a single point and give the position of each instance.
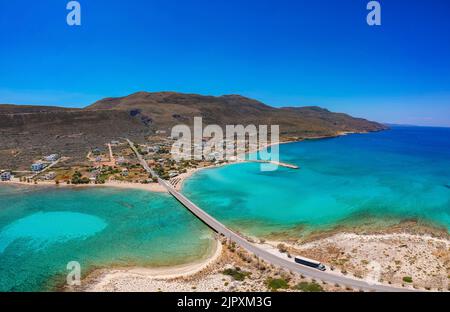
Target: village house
(39, 166)
(94, 175)
(5, 176)
(50, 176)
(52, 157)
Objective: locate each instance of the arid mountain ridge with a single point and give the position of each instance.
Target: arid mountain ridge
(27, 132)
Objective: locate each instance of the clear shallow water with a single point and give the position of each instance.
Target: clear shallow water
(393, 175)
(42, 230)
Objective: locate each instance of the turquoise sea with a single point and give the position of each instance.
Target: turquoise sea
(42, 230)
(384, 177)
(388, 176)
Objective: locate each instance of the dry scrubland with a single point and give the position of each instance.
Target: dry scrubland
(420, 262)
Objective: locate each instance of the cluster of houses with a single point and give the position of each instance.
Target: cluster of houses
(35, 167)
(41, 165)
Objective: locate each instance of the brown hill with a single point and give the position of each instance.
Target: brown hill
(28, 132)
(165, 109)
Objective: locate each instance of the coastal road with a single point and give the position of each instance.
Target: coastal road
(111, 155)
(263, 254)
(142, 160)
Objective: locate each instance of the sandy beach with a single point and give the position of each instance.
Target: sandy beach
(152, 187)
(178, 181)
(143, 279)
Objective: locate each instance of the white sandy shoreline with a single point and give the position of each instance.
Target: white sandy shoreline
(152, 187)
(107, 279)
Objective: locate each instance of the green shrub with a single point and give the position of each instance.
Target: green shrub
(236, 274)
(408, 279)
(309, 287)
(78, 179)
(275, 284)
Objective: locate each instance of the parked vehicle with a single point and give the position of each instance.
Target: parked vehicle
(310, 263)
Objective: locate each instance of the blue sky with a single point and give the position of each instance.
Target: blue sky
(284, 53)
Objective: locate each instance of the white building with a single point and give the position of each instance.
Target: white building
(94, 175)
(39, 166)
(52, 157)
(50, 176)
(5, 176)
